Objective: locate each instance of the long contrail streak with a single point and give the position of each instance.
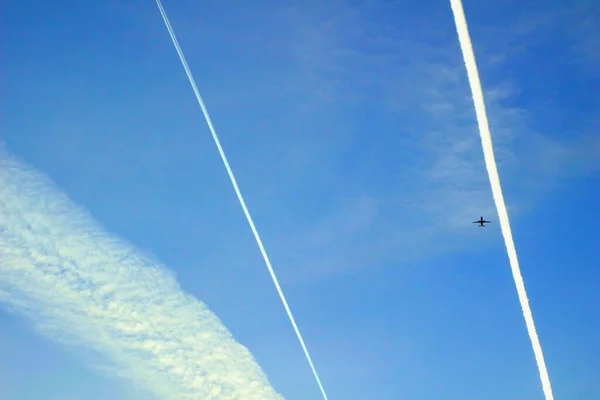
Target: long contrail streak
(240, 197)
(490, 163)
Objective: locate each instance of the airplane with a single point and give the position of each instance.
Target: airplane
(481, 222)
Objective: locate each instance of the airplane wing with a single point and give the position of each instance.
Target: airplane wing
(487, 222)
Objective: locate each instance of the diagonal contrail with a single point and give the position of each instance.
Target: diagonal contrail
(240, 197)
(83, 287)
(490, 163)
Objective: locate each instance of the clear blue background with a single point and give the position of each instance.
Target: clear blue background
(351, 131)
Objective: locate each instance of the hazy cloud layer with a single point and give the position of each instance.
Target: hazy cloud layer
(84, 287)
(420, 165)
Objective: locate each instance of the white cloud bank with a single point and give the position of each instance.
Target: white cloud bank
(81, 286)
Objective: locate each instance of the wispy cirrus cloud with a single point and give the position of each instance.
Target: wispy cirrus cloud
(83, 287)
(408, 117)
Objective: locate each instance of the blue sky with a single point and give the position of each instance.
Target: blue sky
(351, 131)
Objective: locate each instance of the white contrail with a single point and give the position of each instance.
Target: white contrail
(83, 287)
(490, 163)
(240, 197)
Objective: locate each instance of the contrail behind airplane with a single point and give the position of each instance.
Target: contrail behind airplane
(83, 287)
(490, 163)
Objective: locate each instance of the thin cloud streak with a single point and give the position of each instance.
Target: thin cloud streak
(83, 287)
(490, 163)
(242, 202)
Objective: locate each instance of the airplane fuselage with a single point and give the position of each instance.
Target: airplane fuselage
(481, 222)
